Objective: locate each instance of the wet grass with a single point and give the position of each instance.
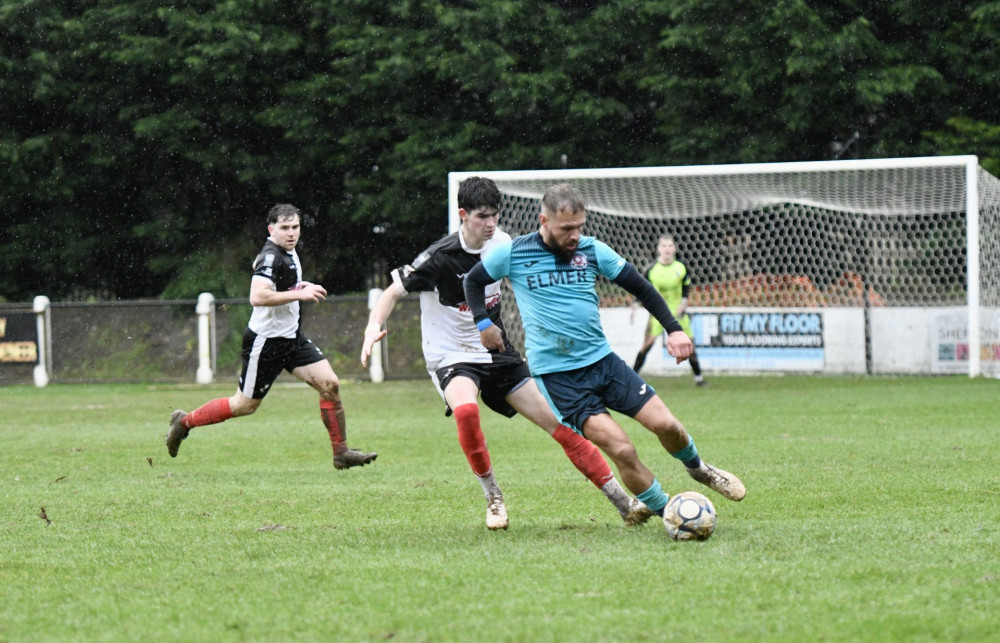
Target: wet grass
(873, 514)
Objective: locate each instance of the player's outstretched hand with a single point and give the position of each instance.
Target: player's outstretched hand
(492, 338)
(373, 335)
(679, 345)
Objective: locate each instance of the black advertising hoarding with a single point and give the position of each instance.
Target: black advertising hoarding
(19, 338)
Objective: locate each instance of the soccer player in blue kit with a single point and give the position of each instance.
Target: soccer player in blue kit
(553, 273)
(462, 369)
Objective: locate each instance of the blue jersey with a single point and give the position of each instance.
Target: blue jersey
(557, 300)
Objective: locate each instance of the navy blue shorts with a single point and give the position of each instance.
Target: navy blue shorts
(608, 383)
(265, 357)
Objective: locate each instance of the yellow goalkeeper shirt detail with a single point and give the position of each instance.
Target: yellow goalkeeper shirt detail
(670, 281)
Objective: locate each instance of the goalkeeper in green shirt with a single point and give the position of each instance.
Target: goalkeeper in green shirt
(670, 277)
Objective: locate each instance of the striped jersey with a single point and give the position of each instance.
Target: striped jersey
(448, 331)
(283, 271)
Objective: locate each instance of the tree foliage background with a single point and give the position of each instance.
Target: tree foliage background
(142, 142)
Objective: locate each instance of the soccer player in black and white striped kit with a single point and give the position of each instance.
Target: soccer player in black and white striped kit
(461, 368)
(273, 341)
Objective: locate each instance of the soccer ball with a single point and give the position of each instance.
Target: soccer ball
(689, 516)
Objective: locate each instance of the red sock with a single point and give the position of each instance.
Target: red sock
(470, 437)
(333, 415)
(212, 412)
(584, 455)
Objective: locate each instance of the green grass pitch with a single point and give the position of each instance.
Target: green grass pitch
(872, 514)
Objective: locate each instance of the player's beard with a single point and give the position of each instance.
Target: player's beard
(561, 252)
(566, 254)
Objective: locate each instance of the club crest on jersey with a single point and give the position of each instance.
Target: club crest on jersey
(578, 262)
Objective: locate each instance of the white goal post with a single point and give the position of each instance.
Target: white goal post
(920, 235)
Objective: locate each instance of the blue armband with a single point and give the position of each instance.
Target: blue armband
(483, 324)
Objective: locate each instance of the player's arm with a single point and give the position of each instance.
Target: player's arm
(685, 292)
(678, 343)
(263, 293)
(377, 317)
(475, 283)
(634, 303)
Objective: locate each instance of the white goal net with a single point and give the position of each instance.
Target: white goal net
(919, 236)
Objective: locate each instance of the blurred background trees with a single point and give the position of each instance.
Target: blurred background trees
(142, 142)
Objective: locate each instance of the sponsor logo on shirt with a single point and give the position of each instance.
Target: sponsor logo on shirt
(490, 303)
(558, 278)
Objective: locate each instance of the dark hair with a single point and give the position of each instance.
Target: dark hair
(282, 211)
(478, 192)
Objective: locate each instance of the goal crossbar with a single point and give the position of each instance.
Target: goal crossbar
(871, 187)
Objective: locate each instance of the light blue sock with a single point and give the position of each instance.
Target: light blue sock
(654, 497)
(689, 455)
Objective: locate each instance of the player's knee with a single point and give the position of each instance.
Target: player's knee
(670, 429)
(240, 405)
(622, 451)
(330, 389)
(674, 426)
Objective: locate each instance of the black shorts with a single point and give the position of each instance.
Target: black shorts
(607, 383)
(265, 357)
(495, 381)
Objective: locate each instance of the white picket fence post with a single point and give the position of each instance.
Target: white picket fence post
(42, 309)
(206, 338)
(375, 369)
